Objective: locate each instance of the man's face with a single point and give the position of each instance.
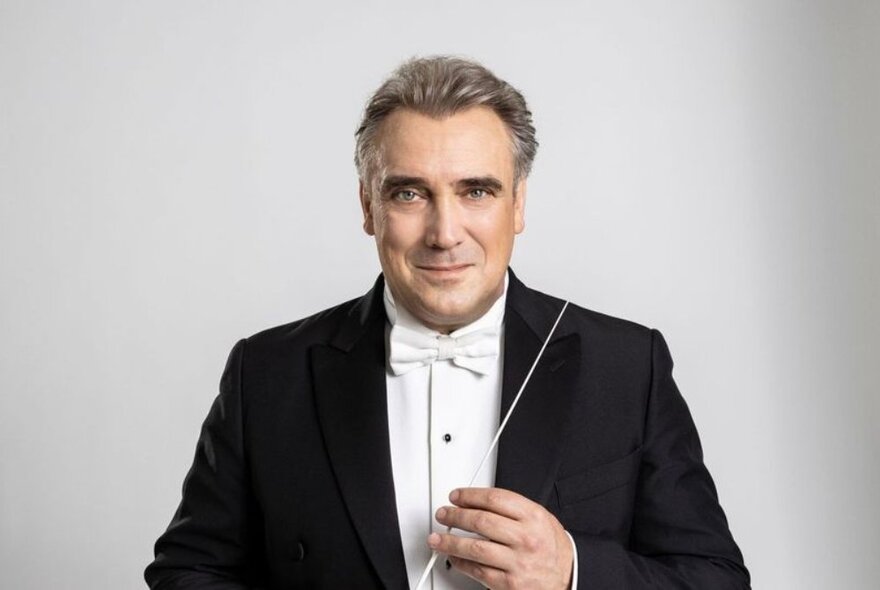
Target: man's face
(444, 213)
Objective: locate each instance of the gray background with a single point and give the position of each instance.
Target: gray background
(176, 175)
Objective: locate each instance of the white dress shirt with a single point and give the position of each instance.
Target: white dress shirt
(441, 420)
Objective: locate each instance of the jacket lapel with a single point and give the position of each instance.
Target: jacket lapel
(530, 448)
(351, 402)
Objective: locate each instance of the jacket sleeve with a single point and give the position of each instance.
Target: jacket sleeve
(679, 537)
(214, 540)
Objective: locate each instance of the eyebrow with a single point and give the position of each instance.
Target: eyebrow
(396, 182)
(489, 182)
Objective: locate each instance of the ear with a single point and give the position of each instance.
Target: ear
(519, 207)
(367, 207)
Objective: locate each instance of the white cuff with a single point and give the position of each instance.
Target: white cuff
(574, 563)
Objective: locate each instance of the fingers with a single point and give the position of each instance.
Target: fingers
(496, 500)
(489, 577)
(521, 544)
(482, 552)
(492, 526)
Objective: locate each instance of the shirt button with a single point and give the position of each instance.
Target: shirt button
(447, 437)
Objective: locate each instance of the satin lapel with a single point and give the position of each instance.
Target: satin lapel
(352, 410)
(530, 449)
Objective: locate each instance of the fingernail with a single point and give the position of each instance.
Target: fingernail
(441, 513)
(453, 495)
(433, 540)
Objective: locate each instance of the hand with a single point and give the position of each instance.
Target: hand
(524, 546)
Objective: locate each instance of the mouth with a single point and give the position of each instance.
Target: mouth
(441, 271)
(443, 267)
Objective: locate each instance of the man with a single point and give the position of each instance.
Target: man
(342, 446)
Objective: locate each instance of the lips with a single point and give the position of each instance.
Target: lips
(443, 267)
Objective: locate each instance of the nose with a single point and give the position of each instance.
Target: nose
(444, 229)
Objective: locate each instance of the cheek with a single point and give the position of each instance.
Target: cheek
(399, 233)
(495, 232)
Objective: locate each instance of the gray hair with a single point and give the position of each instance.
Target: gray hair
(441, 86)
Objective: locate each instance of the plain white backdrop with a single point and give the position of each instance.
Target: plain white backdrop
(177, 175)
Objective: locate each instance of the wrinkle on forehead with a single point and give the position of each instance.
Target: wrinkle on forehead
(432, 137)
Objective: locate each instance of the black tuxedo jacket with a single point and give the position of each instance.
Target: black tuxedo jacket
(291, 485)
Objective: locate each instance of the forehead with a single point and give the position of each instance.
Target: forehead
(474, 141)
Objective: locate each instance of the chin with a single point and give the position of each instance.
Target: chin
(458, 312)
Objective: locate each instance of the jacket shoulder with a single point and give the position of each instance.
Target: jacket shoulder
(607, 326)
(318, 328)
(597, 326)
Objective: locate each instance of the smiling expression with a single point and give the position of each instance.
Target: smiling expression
(444, 212)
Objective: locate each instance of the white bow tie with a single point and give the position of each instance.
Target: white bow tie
(475, 351)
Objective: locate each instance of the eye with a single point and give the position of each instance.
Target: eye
(405, 195)
(478, 193)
